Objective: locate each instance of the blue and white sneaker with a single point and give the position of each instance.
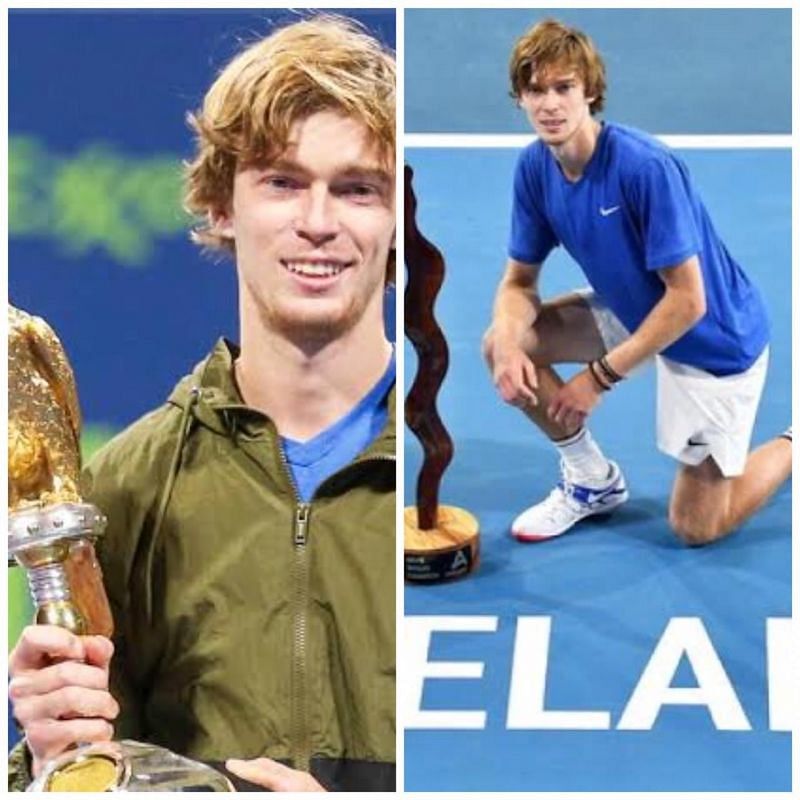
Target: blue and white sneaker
(567, 504)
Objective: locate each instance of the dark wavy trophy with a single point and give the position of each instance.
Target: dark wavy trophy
(441, 542)
(51, 534)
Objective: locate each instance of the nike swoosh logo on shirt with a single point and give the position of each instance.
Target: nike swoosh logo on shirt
(604, 212)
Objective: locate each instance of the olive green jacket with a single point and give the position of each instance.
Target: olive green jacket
(247, 622)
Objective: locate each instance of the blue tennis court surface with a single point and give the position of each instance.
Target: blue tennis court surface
(612, 596)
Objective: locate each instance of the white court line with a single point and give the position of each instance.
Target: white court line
(689, 142)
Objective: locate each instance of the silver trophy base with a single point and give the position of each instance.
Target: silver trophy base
(127, 766)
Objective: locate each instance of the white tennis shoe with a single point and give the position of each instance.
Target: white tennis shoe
(567, 504)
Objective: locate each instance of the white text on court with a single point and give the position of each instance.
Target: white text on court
(683, 637)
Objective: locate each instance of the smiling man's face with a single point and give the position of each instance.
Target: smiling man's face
(313, 230)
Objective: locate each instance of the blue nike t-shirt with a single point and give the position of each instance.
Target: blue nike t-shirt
(634, 211)
(313, 461)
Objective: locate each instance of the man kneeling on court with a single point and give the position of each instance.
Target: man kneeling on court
(663, 286)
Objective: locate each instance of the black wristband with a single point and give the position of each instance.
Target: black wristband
(606, 387)
(609, 371)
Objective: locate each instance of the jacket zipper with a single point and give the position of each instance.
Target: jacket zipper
(301, 734)
(301, 745)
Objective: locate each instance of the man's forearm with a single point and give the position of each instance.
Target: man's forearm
(515, 311)
(675, 314)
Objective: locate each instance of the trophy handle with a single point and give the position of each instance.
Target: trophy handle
(88, 591)
(55, 546)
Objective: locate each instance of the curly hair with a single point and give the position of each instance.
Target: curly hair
(324, 63)
(550, 43)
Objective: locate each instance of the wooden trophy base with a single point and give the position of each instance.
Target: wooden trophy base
(448, 551)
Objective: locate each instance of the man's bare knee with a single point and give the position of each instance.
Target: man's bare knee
(695, 529)
(699, 510)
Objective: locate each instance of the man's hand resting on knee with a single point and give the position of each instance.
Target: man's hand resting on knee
(513, 373)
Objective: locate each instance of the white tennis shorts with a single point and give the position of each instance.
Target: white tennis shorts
(697, 414)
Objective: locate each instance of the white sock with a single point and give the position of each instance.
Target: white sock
(583, 459)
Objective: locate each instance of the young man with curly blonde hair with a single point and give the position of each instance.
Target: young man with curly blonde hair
(663, 286)
(250, 556)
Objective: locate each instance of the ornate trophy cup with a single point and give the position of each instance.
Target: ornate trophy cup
(441, 542)
(51, 534)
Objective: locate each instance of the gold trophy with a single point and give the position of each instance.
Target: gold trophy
(51, 534)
